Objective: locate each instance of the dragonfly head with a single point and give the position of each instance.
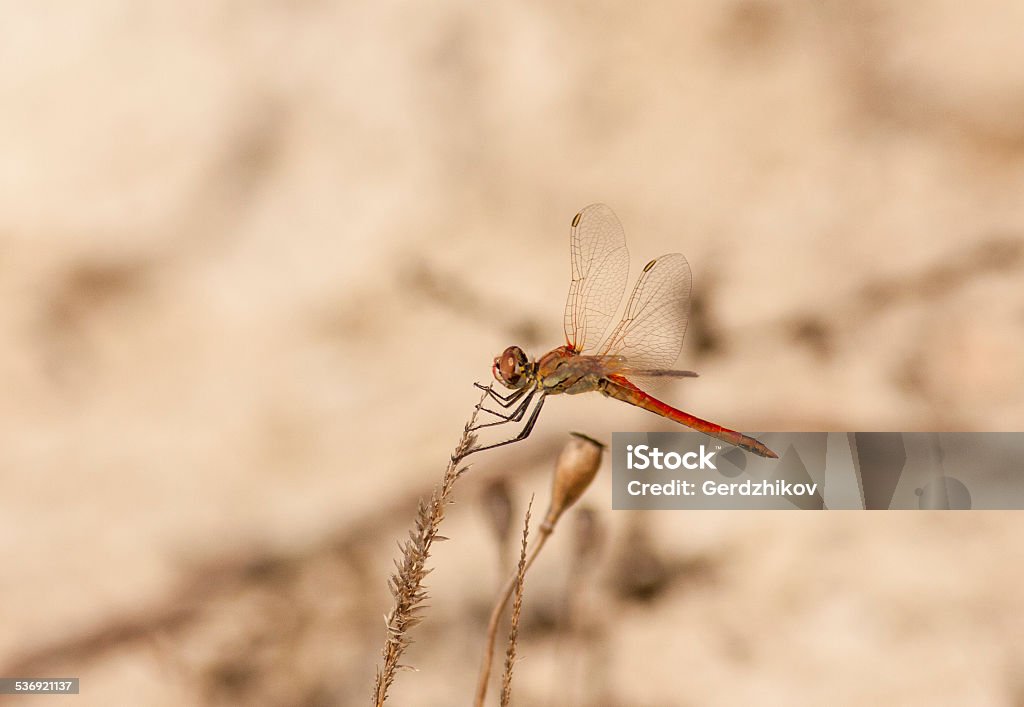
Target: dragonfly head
(512, 368)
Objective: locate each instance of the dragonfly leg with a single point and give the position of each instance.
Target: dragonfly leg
(515, 416)
(505, 401)
(523, 433)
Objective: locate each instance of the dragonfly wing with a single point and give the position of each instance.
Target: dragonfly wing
(650, 335)
(600, 266)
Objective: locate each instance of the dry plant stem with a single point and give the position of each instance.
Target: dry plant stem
(499, 607)
(407, 583)
(574, 470)
(517, 607)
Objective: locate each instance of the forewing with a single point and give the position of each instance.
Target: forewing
(650, 335)
(600, 265)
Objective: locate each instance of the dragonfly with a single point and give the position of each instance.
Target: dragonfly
(640, 350)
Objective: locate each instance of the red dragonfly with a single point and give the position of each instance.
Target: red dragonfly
(642, 347)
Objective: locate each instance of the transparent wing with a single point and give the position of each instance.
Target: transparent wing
(650, 335)
(600, 265)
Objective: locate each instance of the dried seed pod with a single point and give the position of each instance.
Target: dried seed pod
(576, 467)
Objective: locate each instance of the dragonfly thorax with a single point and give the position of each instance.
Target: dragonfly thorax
(512, 368)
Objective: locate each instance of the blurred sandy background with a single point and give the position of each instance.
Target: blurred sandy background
(253, 256)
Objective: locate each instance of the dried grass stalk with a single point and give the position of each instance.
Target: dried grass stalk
(406, 584)
(575, 469)
(517, 607)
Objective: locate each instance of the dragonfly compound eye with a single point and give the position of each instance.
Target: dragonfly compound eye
(510, 366)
